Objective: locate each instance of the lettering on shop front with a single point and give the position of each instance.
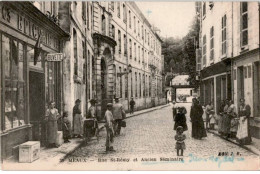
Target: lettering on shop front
(26, 26)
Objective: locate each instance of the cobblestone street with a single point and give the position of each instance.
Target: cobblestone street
(151, 135)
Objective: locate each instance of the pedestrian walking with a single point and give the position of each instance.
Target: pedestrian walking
(52, 115)
(208, 111)
(109, 128)
(180, 144)
(196, 112)
(66, 127)
(243, 132)
(132, 105)
(119, 115)
(77, 120)
(220, 119)
(180, 119)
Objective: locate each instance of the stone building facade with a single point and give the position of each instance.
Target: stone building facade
(228, 57)
(113, 51)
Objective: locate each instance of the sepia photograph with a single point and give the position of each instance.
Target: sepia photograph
(130, 85)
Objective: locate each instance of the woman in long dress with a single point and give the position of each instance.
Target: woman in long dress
(196, 112)
(243, 132)
(52, 115)
(77, 120)
(221, 115)
(226, 120)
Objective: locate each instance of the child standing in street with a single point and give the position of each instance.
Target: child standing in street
(109, 128)
(180, 137)
(66, 127)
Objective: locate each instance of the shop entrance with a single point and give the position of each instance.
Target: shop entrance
(36, 104)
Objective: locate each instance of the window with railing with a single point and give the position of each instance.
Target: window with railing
(212, 43)
(244, 24)
(224, 35)
(204, 50)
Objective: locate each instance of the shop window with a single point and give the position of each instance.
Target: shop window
(30, 56)
(224, 35)
(14, 89)
(244, 23)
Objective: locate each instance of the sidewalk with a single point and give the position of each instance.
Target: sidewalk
(254, 147)
(58, 154)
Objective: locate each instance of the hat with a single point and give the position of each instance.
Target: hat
(109, 105)
(78, 101)
(116, 98)
(92, 101)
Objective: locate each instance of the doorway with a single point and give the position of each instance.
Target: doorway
(36, 104)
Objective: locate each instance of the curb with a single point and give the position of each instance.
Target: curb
(256, 152)
(102, 127)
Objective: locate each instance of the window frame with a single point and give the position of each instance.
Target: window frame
(204, 51)
(212, 44)
(224, 35)
(243, 30)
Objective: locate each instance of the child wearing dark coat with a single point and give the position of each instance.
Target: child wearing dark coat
(66, 127)
(180, 119)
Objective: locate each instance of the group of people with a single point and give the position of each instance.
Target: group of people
(232, 124)
(114, 120)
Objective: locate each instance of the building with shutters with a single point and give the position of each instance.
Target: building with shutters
(228, 57)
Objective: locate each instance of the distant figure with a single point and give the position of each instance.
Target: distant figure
(196, 112)
(180, 137)
(52, 115)
(226, 120)
(77, 120)
(66, 127)
(174, 110)
(109, 127)
(119, 115)
(132, 105)
(180, 119)
(234, 120)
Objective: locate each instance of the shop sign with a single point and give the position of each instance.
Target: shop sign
(55, 57)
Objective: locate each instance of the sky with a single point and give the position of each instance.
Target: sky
(172, 18)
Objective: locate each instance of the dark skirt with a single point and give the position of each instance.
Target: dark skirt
(226, 124)
(198, 130)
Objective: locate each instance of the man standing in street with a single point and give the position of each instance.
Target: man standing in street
(132, 105)
(119, 115)
(109, 128)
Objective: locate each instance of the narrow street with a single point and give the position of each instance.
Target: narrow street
(151, 135)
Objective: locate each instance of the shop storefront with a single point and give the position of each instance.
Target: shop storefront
(28, 82)
(216, 84)
(246, 76)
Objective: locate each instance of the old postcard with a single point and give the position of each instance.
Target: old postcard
(125, 85)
